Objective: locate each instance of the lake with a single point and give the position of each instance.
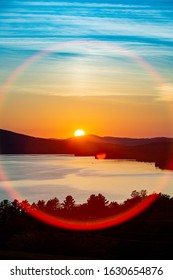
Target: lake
(35, 177)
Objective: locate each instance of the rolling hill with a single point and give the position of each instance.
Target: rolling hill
(158, 150)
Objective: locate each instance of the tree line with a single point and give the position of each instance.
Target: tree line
(148, 235)
(96, 206)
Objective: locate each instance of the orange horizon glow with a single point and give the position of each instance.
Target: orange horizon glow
(57, 117)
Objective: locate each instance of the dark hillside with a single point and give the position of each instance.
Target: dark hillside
(158, 150)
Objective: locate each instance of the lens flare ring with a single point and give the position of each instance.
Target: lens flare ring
(99, 224)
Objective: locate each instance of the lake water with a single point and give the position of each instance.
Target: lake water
(35, 177)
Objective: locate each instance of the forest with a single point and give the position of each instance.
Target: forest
(149, 235)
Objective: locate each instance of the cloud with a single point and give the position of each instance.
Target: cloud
(78, 18)
(80, 4)
(31, 26)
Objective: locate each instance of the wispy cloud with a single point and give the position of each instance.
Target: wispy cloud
(144, 29)
(79, 4)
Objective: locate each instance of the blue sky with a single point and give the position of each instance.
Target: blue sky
(142, 26)
(108, 39)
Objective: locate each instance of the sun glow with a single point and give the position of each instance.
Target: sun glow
(79, 132)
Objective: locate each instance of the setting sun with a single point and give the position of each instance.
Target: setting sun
(79, 132)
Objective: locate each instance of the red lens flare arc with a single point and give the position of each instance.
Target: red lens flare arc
(92, 225)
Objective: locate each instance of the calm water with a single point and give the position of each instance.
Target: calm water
(35, 177)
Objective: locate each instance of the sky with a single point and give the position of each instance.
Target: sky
(102, 66)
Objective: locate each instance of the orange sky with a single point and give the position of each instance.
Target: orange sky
(100, 66)
(58, 117)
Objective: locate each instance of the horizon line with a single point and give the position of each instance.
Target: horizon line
(94, 135)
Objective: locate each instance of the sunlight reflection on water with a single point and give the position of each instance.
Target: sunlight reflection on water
(37, 177)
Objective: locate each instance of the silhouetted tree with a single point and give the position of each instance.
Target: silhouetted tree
(68, 203)
(136, 198)
(5, 204)
(113, 206)
(15, 206)
(53, 204)
(143, 193)
(97, 206)
(98, 201)
(41, 204)
(134, 194)
(25, 205)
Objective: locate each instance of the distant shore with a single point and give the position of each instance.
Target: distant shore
(158, 150)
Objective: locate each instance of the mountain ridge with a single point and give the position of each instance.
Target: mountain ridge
(107, 137)
(158, 149)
